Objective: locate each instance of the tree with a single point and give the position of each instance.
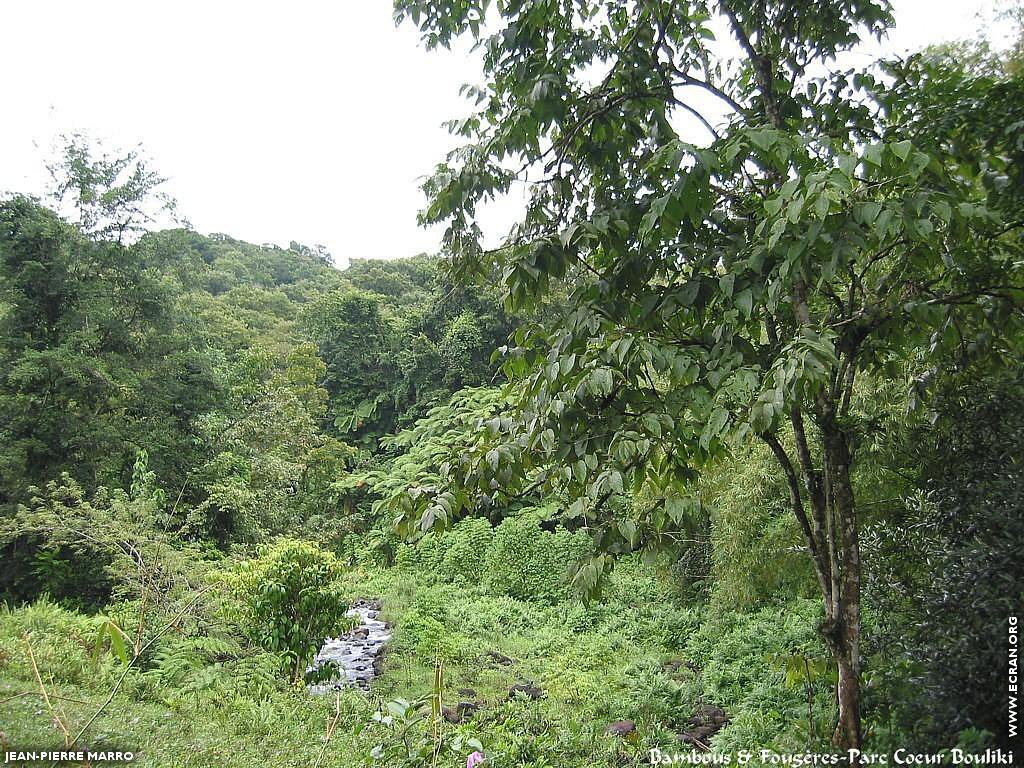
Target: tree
(88, 345)
(722, 291)
(947, 572)
(113, 197)
(265, 443)
(355, 342)
(289, 600)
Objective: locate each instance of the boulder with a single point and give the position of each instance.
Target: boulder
(705, 722)
(673, 666)
(527, 689)
(499, 658)
(621, 728)
(460, 712)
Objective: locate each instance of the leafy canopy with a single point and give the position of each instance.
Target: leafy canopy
(716, 289)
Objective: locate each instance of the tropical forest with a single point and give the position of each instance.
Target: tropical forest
(713, 456)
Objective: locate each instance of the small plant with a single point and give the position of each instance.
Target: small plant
(107, 628)
(417, 730)
(803, 670)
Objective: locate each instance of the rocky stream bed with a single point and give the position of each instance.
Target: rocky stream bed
(358, 656)
(359, 653)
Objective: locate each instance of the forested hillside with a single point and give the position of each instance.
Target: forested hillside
(720, 451)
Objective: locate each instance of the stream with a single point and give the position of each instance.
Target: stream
(359, 653)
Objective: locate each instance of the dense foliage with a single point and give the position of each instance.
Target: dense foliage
(720, 450)
(834, 226)
(287, 600)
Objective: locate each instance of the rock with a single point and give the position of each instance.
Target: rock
(621, 728)
(709, 714)
(527, 689)
(499, 658)
(362, 602)
(674, 665)
(705, 723)
(460, 712)
(467, 693)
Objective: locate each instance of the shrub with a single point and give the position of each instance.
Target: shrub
(740, 659)
(529, 563)
(406, 557)
(419, 634)
(59, 638)
(937, 660)
(464, 549)
(491, 617)
(757, 546)
(289, 600)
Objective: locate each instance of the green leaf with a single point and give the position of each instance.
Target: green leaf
(652, 424)
(719, 418)
(869, 211)
(493, 458)
(902, 148)
(117, 641)
(873, 155)
(615, 480)
(628, 530)
(601, 382)
(763, 137)
(745, 301)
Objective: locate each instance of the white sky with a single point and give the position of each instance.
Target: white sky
(308, 120)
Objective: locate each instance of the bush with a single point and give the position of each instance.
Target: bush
(757, 547)
(741, 660)
(406, 556)
(427, 639)
(464, 549)
(289, 600)
(491, 618)
(58, 638)
(529, 563)
(433, 601)
(939, 651)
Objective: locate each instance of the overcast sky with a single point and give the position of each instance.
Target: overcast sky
(308, 121)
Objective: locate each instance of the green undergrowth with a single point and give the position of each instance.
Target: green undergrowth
(201, 696)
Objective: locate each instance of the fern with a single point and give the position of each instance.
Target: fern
(256, 677)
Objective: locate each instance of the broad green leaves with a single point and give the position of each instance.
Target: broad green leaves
(710, 289)
(110, 634)
(288, 600)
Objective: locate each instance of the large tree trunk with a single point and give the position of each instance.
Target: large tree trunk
(847, 733)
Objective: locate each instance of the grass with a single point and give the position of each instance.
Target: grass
(285, 731)
(595, 665)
